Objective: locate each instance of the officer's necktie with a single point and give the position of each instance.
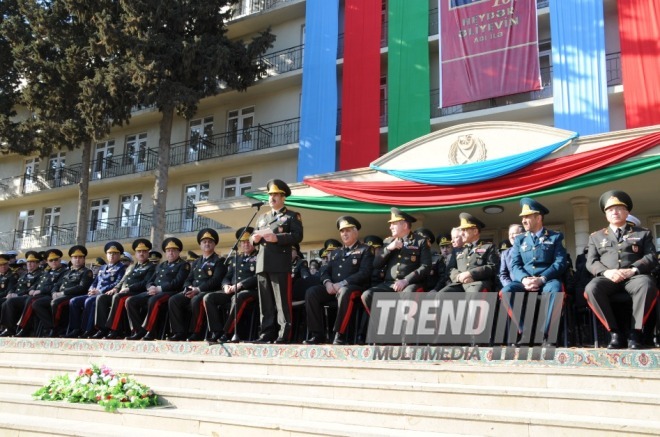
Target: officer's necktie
(618, 234)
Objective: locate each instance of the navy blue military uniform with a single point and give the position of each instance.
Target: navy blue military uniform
(242, 273)
(170, 277)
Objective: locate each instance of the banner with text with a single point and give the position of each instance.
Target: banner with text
(488, 48)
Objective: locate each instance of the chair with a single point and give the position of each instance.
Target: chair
(618, 298)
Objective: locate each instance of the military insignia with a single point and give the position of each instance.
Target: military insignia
(603, 243)
(467, 149)
(524, 246)
(635, 248)
(413, 258)
(252, 268)
(280, 229)
(355, 261)
(2, 285)
(209, 272)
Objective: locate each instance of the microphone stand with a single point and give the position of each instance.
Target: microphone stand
(235, 338)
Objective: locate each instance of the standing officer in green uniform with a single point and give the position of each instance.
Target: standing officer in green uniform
(343, 279)
(186, 308)
(406, 257)
(11, 311)
(110, 307)
(277, 231)
(166, 280)
(75, 282)
(8, 278)
(621, 257)
(475, 266)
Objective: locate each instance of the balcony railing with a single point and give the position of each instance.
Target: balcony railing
(119, 228)
(63, 235)
(50, 178)
(121, 165)
(244, 8)
(186, 220)
(231, 143)
(282, 61)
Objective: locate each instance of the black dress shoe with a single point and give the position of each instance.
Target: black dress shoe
(114, 335)
(100, 334)
(8, 333)
(616, 342)
(340, 339)
(87, 334)
(72, 334)
(214, 336)
(22, 333)
(149, 336)
(195, 337)
(264, 340)
(224, 339)
(315, 339)
(634, 341)
(177, 337)
(138, 335)
(361, 340)
(656, 341)
(47, 333)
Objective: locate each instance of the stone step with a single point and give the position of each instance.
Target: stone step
(394, 417)
(518, 374)
(203, 390)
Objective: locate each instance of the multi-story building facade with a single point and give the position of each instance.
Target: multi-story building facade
(238, 141)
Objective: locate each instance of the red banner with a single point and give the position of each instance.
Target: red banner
(488, 48)
(639, 27)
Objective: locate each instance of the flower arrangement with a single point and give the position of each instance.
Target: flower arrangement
(99, 385)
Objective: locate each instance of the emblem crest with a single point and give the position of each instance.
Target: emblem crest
(467, 149)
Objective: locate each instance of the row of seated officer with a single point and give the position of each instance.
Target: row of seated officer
(198, 296)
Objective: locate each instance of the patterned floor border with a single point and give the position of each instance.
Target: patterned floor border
(563, 357)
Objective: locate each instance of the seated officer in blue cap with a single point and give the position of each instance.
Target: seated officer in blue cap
(538, 257)
(82, 309)
(168, 279)
(110, 307)
(475, 265)
(406, 257)
(187, 315)
(346, 276)
(621, 257)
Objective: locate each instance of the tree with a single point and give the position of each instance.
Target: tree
(177, 53)
(74, 89)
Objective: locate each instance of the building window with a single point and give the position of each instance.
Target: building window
(51, 220)
(239, 128)
(193, 193)
(56, 165)
(102, 165)
(200, 133)
(236, 186)
(136, 151)
(30, 179)
(25, 222)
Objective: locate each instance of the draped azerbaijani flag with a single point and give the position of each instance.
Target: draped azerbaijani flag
(488, 48)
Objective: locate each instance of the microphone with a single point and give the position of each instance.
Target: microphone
(257, 205)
